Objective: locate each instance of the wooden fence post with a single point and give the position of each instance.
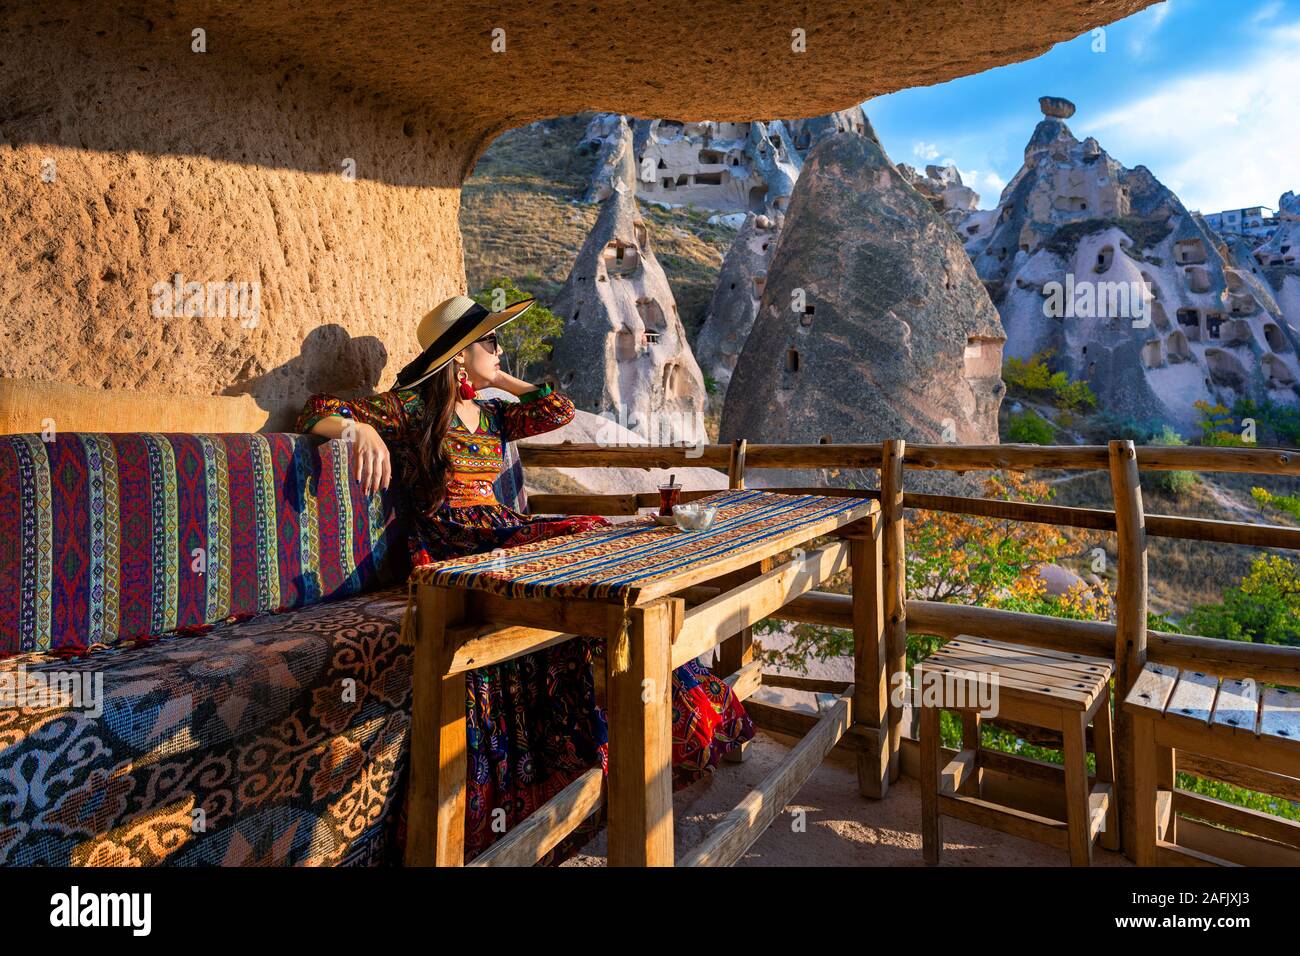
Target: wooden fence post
(895, 585)
(870, 660)
(736, 465)
(1130, 623)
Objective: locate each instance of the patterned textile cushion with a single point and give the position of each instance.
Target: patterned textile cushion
(113, 537)
(509, 486)
(276, 740)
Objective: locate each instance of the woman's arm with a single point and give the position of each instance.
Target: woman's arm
(515, 386)
(366, 423)
(539, 409)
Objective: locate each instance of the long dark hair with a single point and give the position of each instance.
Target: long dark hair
(439, 406)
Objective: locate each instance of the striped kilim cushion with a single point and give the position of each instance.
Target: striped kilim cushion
(113, 537)
(616, 562)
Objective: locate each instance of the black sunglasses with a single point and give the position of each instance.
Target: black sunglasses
(489, 342)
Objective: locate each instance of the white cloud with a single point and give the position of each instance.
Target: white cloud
(1147, 24)
(1266, 12)
(994, 181)
(926, 151)
(1221, 138)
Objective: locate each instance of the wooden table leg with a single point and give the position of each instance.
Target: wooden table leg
(1074, 727)
(738, 650)
(871, 686)
(931, 826)
(639, 689)
(1103, 744)
(435, 830)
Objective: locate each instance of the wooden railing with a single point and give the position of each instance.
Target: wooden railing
(882, 756)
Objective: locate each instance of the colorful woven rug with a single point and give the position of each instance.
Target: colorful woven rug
(613, 563)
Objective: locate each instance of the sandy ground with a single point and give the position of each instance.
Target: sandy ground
(841, 827)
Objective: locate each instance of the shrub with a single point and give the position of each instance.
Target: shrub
(1176, 483)
(1267, 501)
(1032, 377)
(1030, 428)
(1264, 608)
(1281, 422)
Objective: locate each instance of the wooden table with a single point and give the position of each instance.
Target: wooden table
(623, 584)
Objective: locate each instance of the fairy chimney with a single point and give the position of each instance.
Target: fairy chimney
(736, 297)
(1104, 268)
(872, 323)
(624, 352)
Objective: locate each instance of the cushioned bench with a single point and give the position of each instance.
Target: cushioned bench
(239, 600)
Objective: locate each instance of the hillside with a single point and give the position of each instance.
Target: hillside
(520, 217)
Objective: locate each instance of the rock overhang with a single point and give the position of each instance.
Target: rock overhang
(473, 69)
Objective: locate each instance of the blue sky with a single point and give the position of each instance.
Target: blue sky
(1204, 93)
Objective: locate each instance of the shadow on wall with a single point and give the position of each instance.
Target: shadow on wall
(330, 360)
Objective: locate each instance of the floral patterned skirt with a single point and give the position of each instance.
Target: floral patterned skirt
(532, 725)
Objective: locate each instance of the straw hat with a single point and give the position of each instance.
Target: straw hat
(450, 327)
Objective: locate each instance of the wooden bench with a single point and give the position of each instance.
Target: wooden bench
(1229, 720)
(1057, 690)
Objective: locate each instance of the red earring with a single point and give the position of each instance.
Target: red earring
(466, 386)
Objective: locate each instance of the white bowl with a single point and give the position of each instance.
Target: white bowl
(692, 517)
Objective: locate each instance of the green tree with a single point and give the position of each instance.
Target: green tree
(1034, 379)
(1216, 424)
(526, 339)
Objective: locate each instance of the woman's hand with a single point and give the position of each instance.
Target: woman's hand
(371, 462)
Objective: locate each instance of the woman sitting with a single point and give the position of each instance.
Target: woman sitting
(532, 722)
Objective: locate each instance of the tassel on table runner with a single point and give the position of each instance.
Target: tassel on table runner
(409, 631)
(620, 655)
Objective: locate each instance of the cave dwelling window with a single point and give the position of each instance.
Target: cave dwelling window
(625, 345)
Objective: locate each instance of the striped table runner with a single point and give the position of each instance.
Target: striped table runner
(619, 563)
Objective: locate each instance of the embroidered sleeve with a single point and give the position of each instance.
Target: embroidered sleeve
(389, 412)
(537, 412)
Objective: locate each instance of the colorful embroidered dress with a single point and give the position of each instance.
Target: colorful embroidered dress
(532, 723)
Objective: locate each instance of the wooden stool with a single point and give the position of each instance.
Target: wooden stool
(1248, 731)
(1057, 690)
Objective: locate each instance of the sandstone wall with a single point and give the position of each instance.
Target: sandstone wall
(199, 165)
